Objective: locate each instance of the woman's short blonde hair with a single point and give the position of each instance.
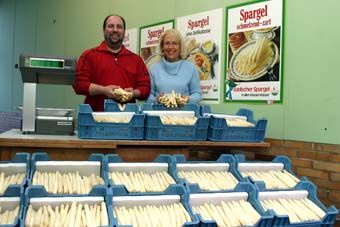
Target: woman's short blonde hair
(178, 37)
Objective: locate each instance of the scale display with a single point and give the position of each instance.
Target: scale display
(47, 69)
(46, 63)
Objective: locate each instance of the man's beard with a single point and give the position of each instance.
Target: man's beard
(111, 43)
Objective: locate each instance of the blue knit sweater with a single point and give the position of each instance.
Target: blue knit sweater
(180, 76)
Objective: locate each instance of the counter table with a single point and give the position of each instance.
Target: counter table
(61, 147)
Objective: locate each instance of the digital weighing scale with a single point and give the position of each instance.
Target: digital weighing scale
(45, 70)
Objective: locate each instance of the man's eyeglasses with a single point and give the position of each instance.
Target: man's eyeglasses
(168, 44)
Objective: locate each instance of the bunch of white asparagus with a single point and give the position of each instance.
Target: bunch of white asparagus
(177, 120)
(76, 215)
(10, 179)
(7, 216)
(298, 210)
(171, 100)
(239, 123)
(122, 94)
(210, 180)
(174, 215)
(141, 181)
(66, 183)
(274, 179)
(229, 213)
(111, 119)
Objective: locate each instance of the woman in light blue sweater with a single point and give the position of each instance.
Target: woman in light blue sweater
(172, 73)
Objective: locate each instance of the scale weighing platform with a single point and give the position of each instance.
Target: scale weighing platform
(45, 70)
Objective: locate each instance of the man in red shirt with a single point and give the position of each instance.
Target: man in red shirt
(102, 69)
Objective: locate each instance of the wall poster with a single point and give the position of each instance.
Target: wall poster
(254, 52)
(203, 39)
(149, 41)
(130, 40)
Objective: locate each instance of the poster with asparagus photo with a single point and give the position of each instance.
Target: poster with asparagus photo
(149, 41)
(254, 52)
(202, 33)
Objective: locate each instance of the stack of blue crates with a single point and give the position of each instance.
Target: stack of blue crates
(161, 163)
(37, 197)
(226, 162)
(303, 187)
(122, 197)
(280, 162)
(189, 195)
(13, 195)
(244, 190)
(41, 162)
(209, 126)
(174, 194)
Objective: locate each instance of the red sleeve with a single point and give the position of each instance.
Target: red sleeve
(143, 81)
(83, 78)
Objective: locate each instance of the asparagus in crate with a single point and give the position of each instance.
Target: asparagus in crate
(210, 180)
(142, 182)
(177, 120)
(112, 117)
(171, 215)
(7, 217)
(7, 179)
(229, 213)
(66, 183)
(75, 215)
(273, 179)
(298, 210)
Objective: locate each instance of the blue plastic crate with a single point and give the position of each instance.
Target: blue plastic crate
(156, 130)
(307, 189)
(112, 106)
(37, 197)
(205, 109)
(19, 164)
(88, 128)
(220, 131)
(227, 159)
(174, 194)
(245, 191)
(218, 121)
(280, 162)
(166, 161)
(13, 197)
(68, 167)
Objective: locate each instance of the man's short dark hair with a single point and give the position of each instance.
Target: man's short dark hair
(106, 18)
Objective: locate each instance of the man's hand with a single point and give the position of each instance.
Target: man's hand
(123, 95)
(96, 89)
(109, 91)
(135, 93)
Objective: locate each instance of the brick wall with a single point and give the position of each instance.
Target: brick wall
(320, 163)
